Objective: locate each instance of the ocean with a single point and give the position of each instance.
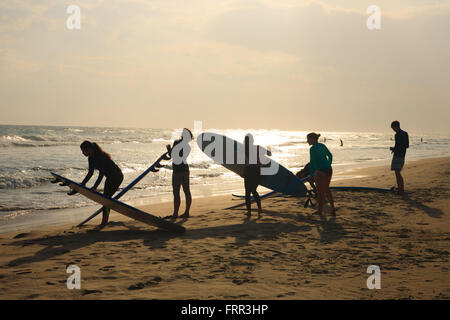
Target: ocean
(29, 153)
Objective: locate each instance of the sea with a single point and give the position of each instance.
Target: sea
(29, 153)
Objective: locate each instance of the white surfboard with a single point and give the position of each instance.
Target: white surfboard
(121, 207)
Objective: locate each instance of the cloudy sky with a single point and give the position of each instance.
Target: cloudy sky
(274, 64)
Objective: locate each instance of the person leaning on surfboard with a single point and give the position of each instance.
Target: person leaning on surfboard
(101, 160)
(320, 168)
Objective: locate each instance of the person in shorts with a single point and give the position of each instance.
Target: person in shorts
(180, 172)
(321, 170)
(399, 152)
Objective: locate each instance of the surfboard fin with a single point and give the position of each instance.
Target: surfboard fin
(158, 165)
(55, 181)
(64, 184)
(154, 170)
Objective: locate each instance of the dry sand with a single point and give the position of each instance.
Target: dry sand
(288, 253)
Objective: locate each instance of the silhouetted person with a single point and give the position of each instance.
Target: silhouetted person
(180, 172)
(252, 172)
(101, 160)
(399, 151)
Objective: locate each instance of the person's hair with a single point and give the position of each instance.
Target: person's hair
(249, 139)
(93, 146)
(190, 132)
(313, 135)
(395, 124)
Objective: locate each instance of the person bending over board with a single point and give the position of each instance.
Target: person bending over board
(100, 160)
(179, 152)
(320, 168)
(399, 151)
(252, 172)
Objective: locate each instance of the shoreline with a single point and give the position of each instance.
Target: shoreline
(62, 217)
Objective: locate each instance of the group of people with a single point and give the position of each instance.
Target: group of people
(318, 171)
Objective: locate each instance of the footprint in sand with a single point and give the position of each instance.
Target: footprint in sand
(141, 285)
(21, 235)
(106, 268)
(86, 292)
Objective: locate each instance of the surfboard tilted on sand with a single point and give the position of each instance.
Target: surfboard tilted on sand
(121, 207)
(283, 181)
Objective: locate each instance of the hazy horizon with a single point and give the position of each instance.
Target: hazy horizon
(263, 64)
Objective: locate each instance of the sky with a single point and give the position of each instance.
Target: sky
(262, 64)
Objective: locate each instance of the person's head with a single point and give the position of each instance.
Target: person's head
(312, 138)
(91, 148)
(248, 140)
(187, 134)
(395, 125)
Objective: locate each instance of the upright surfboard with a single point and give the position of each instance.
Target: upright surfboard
(121, 207)
(282, 180)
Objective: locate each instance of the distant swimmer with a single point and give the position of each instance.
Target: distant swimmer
(252, 172)
(399, 151)
(101, 160)
(342, 143)
(179, 152)
(320, 168)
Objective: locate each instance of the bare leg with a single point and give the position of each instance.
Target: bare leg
(248, 201)
(176, 201)
(400, 182)
(257, 200)
(187, 194)
(320, 185)
(329, 195)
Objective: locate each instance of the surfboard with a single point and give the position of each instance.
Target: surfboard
(215, 146)
(121, 207)
(362, 189)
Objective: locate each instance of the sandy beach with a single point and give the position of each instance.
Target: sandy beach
(287, 253)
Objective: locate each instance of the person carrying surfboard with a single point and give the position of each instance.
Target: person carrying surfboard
(101, 160)
(179, 152)
(252, 172)
(399, 151)
(320, 168)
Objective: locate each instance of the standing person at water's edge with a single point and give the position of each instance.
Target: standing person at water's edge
(179, 152)
(320, 168)
(399, 151)
(252, 172)
(101, 160)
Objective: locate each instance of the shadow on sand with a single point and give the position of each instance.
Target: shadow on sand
(432, 212)
(153, 239)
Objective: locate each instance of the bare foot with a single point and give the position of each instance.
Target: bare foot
(173, 216)
(185, 215)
